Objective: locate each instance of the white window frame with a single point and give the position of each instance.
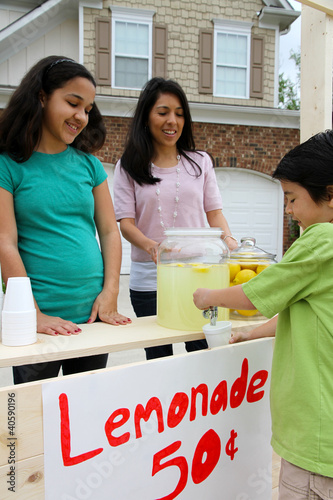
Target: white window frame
(227, 26)
(136, 16)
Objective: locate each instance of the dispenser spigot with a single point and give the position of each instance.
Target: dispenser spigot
(211, 314)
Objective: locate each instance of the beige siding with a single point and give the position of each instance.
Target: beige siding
(183, 41)
(8, 16)
(62, 40)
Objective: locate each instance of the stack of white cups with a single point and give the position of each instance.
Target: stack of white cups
(19, 322)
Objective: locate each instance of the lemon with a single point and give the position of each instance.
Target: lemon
(248, 265)
(201, 268)
(261, 267)
(243, 276)
(244, 312)
(234, 269)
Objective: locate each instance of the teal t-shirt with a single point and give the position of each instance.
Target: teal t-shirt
(300, 289)
(54, 210)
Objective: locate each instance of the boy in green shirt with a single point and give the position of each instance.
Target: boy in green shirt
(298, 289)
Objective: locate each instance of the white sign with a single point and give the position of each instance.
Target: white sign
(195, 426)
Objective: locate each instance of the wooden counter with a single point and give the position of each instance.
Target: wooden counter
(95, 339)
(99, 338)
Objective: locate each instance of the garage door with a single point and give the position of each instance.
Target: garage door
(252, 204)
(126, 261)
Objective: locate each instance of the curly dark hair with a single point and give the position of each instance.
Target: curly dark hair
(21, 120)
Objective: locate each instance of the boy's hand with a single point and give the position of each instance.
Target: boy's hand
(201, 298)
(239, 337)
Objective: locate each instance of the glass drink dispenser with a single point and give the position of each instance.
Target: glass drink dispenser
(246, 262)
(189, 258)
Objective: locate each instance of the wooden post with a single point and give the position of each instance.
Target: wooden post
(316, 71)
(323, 5)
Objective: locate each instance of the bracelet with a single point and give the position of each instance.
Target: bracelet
(229, 236)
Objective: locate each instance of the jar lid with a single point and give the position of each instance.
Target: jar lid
(194, 231)
(248, 250)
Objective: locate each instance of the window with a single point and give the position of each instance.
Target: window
(131, 47)
(232, 46)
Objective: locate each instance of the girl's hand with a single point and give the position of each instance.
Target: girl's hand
(105, 307)
(231, 243)
(201, 298)
(153, 252)
(52, 325)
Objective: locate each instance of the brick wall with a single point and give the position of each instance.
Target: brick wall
(253, 148)
(115, 140)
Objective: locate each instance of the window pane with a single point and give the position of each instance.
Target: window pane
(231, 82)
(231, 49)
(131, 39)
(130, 73)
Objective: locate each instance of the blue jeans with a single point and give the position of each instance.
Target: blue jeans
(144, 304)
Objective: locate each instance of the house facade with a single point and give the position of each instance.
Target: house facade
(225, 55)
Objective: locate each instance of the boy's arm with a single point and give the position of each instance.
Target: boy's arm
(267, 329)
(234, 298)
(231, 298)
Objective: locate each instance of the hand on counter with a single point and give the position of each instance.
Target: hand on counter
(53, 325)
(105, 307)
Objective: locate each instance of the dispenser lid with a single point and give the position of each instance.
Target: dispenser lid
(194, 231)
(248, 250)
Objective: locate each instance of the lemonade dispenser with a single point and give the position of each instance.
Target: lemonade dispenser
(246, 262)
(189, 258)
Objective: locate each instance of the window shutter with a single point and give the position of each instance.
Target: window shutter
(103, 51)
(160, 50)
(257, 67)
(206, 61)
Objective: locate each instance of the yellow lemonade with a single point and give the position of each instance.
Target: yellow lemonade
(176, 283)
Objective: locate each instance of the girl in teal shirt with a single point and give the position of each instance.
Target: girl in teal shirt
(297, 294)
(53, 197)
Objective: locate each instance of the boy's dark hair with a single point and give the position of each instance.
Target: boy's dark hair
(310, 165)
(139, 149)
(21, 120)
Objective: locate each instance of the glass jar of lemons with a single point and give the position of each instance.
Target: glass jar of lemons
(189, 258)
(246, 262)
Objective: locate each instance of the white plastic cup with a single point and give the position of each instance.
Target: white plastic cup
(218, 334)
(1, 304)
(18, 331)
(22, 318)
(19, 328)
(10, 341)
(18, 296)
(1, 300)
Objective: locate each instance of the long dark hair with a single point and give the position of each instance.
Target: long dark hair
(21, 121)
(310, 165)
(139, 149)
